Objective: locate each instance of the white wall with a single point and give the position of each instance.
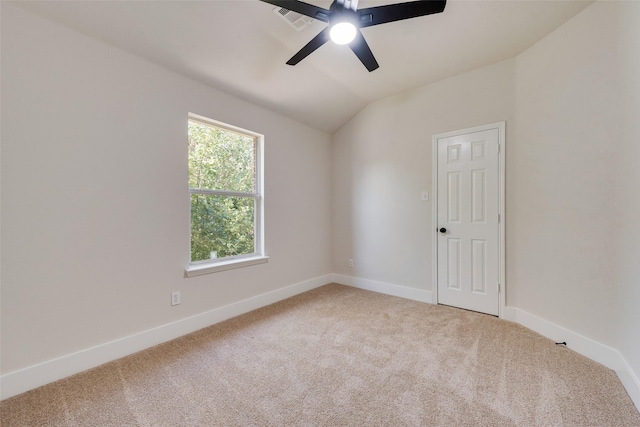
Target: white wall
(95, 208)
(574, 131)
(382, 162)
(561, 234)
(573, 229)
(572, 107)
(627, 209)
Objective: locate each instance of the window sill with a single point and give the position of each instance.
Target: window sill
(200, 269)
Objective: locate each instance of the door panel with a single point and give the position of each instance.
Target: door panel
(478, 196)
(468, 207)
(453, 264)
(478, 266)
(453, 188)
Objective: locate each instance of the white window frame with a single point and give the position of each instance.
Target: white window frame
(197, 268)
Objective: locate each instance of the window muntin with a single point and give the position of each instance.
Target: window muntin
(225, 187)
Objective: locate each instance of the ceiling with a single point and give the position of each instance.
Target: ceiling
(241, 46)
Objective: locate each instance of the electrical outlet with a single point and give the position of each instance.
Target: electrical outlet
(350, 263)
(175, 298)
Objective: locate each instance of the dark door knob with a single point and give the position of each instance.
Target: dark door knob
(443, 230)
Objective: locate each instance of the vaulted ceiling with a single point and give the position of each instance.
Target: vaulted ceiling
(241, 46)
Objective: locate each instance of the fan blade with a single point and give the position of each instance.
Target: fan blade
(399, 11)
(360, 47)
(315, 43)
(306, 9)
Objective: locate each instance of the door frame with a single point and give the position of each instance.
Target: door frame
(501, 207)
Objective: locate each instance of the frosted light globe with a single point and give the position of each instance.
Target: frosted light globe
(343, 33)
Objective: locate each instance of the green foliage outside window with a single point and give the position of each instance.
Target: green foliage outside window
(221, 225)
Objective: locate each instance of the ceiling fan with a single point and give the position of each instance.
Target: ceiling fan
(345, 22)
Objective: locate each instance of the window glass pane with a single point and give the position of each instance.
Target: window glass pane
(220, 159)
(221, 226)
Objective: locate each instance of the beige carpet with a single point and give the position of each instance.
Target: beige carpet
(339, 356)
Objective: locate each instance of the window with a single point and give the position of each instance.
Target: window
(225, 185)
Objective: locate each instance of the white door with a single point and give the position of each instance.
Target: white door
(468, 204)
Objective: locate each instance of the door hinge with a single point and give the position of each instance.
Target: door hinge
(498, 287)
(498, 218)
(498, 148)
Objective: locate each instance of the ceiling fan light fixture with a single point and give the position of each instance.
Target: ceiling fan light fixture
(342, 33)
(346, 20)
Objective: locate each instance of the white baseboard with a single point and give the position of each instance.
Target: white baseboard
(14, 383)
(384, 288)
(630, 381)
(605, 355)
(600, 353)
